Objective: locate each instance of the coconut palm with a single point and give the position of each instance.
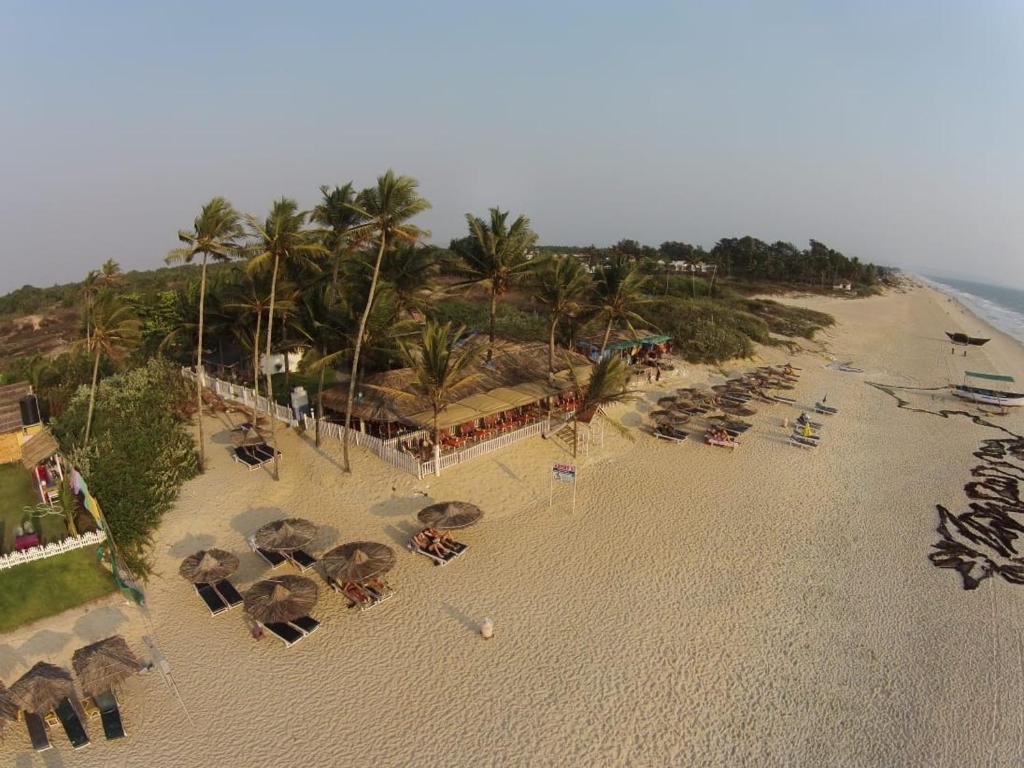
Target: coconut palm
(561, 284)
(216, 234)
(385, 210)
(618, 289)
(91, 287)
(440, 365)
(281, 237)
(111, 275)
(607, 384)
(249, 298)
(115, 332)
(338, 217)
(495, 255)
(320, 321)
(407, 268)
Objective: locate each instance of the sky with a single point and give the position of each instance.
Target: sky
(890, 130)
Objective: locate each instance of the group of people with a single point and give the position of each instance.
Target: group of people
(435, 542)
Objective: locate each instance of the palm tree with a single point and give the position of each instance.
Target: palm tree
(338, 217)
(618, 288)
(91, 287)
(249, 298)
(215, 234)
(562, 282)
(115, 332)
(440, 365)
(495, 256)
(606, 385)
(281, 237)
(407, 268)
(320, 322)
(111, 275)
(385, 210)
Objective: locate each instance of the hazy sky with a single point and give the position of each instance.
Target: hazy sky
(891, 130)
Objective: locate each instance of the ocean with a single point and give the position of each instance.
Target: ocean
(1002, 307)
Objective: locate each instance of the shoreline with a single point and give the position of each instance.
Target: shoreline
(701, 607)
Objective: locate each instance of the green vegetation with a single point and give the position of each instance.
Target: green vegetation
(42, 588)
(139, 454)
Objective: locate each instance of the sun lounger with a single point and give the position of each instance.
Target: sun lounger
(212, 598)
(802, 420)
(826, 409)
(731, 444)
(110, 714)
(37, 732)
(228, 592)
(305, 624)
(254, 456)
(264, 451)
(72, 724)
(273, 559)
(286, 633)
(671, 433)
(301, 559)
(801, 441)
(454, 550)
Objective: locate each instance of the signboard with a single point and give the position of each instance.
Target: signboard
(564, 473)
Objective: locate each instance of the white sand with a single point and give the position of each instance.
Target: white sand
(768, 607)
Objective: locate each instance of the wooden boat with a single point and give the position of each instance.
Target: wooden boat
(988, 396)
(963, 338)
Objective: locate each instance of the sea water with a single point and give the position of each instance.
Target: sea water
(1001, 306)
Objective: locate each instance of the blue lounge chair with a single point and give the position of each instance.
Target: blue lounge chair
(214, 602)
(284, 632)
(301, 559)
(37, 732)
(110, 715)
(228, 593)
(72, 724)
(306, 624)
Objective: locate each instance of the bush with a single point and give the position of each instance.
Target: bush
(139, 455)
(787, 320)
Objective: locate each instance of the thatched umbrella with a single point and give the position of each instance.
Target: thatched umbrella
(357, 561)
(447, 515)
(102, 665)
(8, 707)
(42, 688)
(282, 598)
(285, 535)
(208, 565)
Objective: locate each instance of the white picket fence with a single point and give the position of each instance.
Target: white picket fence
(52, 549)
(244, 395)
(486, 446)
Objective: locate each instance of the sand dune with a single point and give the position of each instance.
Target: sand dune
(770, 606)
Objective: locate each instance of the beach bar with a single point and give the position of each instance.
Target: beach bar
(636, 347)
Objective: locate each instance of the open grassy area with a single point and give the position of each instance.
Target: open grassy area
(16, 493)
(42, 588)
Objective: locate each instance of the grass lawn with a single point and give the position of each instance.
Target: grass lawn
(17, 491)
(42, 588)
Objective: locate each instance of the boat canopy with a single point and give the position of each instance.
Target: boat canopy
(989, 376)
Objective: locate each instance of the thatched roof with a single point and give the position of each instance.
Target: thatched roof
(285, 535)
(10, 408)
(517, 375)
(357, 561)
(208, 565)
(282, 598)
(102, 665)
(42, 688)
(38, 448)
(8, 707)
(447, 515)
(624, 339)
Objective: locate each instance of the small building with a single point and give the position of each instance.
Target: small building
(635, 346)
(19, 419)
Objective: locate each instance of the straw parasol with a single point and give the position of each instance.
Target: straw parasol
(102, 665)
(208, 565)
(285, 535)
(447, 515)
(42, 688)
(282, 598)
(8, 707)
(357, 561)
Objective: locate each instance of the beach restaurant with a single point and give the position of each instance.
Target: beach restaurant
(512, 397)
(635, 347)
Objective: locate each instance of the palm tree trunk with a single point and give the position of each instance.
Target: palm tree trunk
(270, 373)
(575, 432)
(437, 444)
(320, 403)
(607, 335)
(494, 311)
(551, 347)
(92, 397)
(357, 351)
(199, 363)
(256, 359)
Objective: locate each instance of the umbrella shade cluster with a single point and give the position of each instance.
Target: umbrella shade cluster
(448, 515)
(42, 688)
(285, 535)
(357, 561)
(104, 665)
(208, 565)
(282, 598)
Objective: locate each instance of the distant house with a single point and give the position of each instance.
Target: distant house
(842, 287)
(19, 419)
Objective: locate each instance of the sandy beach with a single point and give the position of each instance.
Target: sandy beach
(768, 606)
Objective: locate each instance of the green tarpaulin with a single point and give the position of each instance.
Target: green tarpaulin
(989, 376)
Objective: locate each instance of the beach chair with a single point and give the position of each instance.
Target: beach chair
(802, 420)
(284, 632)
(454, 550)
(273, 559)
(110, 715)
(228, 593)
(668, 432)
(799, 440)
(214, 602)
(37, 732)
(305, 624)
(720, 442)
(828, 410)
(301, 559)
(264, 452)
(72, 724)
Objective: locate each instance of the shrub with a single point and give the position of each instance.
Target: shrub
(139, 455)
(787, 320)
